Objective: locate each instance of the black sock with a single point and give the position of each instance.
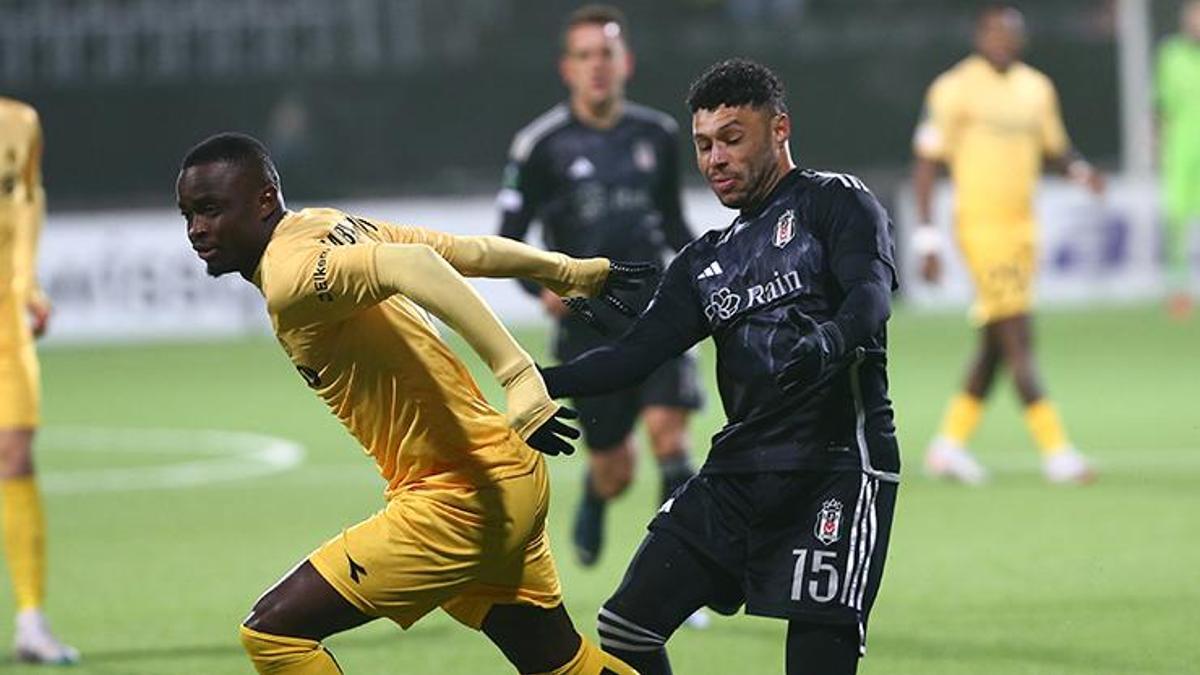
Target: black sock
(675, 471)
(646, 663)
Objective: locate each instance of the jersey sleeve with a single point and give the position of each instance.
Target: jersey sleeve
(1055, 142)
(860, 233)
(669, 199)
(30, 215)
(520, 197)
(324, 285)
(392, 233)
(937, 131)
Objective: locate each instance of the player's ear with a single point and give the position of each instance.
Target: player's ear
(562, 69)
(268, 200)
(781, 127)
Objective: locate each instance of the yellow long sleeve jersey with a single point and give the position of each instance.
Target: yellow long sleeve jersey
(22, 200)
(376, 359)
(993, 129)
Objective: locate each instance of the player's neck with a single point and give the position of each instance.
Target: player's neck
(1001, 67)
(771, 181)
(601, 116)
(250, 270)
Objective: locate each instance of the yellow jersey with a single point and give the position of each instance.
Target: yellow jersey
(377, 359)
(993, 129)
(22, 201)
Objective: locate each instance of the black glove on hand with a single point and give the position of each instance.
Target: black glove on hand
(551, 437)
(622, 276)
(820, 345)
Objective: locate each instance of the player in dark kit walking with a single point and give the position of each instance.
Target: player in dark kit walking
(601, 175)
(792, 511)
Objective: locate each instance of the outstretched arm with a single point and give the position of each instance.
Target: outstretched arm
(419, 273)
(670, 325)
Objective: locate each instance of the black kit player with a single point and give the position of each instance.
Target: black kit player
(791, 513)
(601, 176)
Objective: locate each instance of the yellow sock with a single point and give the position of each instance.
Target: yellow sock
(1046, 427)
(590, 660)
(24, 540)
(279, 655)
(962, 418)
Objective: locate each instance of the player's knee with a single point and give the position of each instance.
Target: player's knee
(16, 453)
(612, 485)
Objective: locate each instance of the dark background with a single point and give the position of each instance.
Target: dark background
(393, 97)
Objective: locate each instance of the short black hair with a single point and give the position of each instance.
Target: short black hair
(737, 82)
(235, 148)
(988, 9)
(596, 15)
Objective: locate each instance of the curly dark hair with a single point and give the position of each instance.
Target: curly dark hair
(737, 82)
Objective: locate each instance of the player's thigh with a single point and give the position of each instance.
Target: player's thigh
(667, 580)
(303, 604)
(816, 553)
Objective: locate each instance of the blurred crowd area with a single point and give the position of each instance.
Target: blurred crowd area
(363, 98)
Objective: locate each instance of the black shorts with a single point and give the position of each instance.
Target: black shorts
(804, 545)
(607, 420)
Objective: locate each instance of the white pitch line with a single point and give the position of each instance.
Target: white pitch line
(229, 456)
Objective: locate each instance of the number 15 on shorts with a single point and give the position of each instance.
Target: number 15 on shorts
(815, 575)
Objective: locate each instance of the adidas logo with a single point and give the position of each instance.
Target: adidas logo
(713, 270)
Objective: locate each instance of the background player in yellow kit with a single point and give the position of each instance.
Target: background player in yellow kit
(464, 524)
(993, 120)
(22, 208)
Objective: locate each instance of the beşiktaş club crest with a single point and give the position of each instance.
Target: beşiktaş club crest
(829, 522)
(644, 157)
(785, 228)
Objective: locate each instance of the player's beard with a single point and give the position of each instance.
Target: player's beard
(753, 190)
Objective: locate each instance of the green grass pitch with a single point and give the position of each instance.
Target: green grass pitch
(1014, 577)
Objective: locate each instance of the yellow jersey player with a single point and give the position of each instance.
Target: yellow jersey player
(993, 120)
(463, 527)
(24, 313)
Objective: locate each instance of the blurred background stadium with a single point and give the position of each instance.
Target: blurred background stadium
(187, 468)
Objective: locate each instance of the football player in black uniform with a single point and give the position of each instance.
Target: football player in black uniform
(601, 175)
(790, 514)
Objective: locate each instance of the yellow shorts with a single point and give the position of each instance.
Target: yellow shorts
(20, 395)
(462, 549)
(1003, 267)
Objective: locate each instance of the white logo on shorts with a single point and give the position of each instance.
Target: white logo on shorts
(829, 522)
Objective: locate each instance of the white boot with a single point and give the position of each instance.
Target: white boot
(947, 459)
(1068, 466)
(34, 643)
